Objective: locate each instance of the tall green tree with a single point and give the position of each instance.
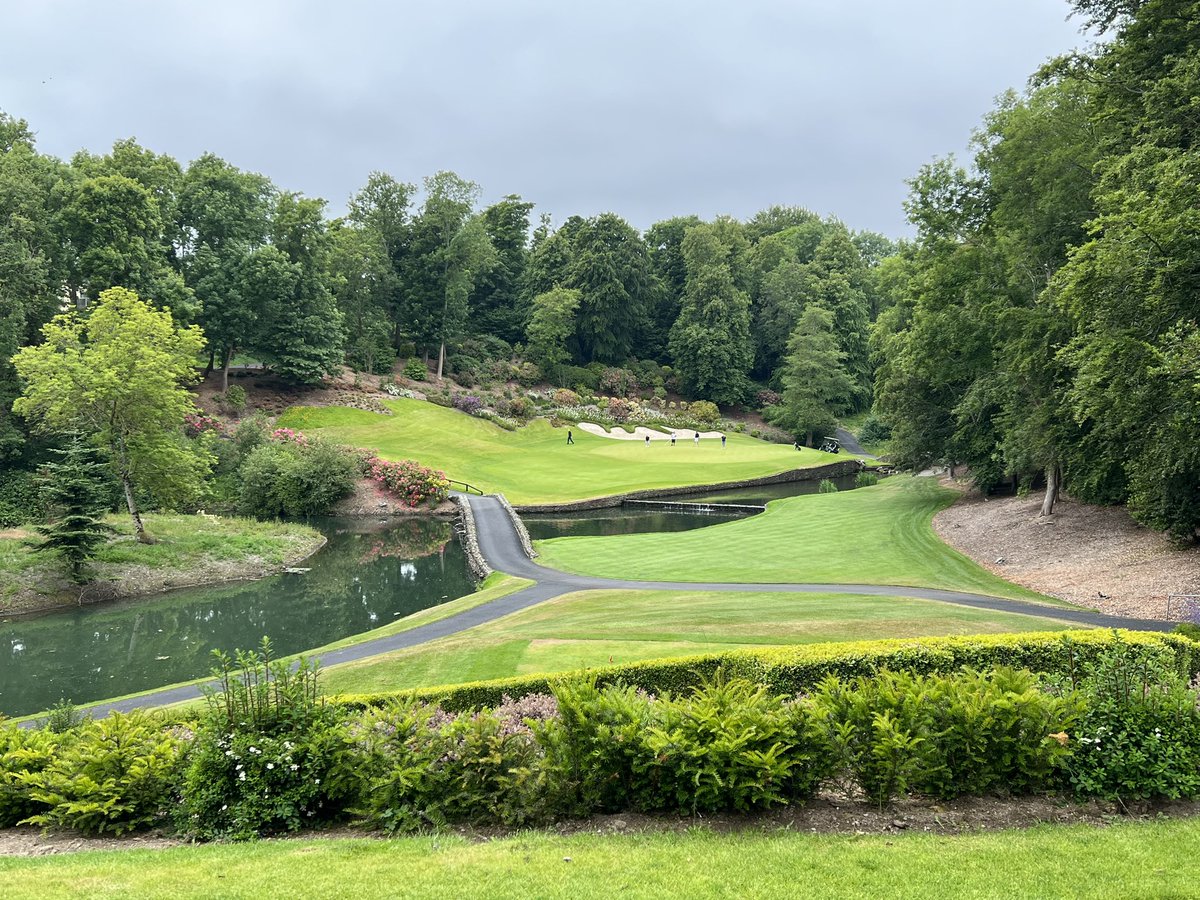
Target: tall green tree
(119, 375)
(551, 325)
(299, 330)
(710, 341)
(224, 215)
(816, 387)
(610, 267)
(496, 298)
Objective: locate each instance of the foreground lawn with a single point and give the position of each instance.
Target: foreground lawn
(187, 550)
(596, 628)
(1126, 860)
(534, 464)
(876, 535)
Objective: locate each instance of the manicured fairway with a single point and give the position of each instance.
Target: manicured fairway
(1146, 859)
(595, 628)
(875, 535)
(534, 464)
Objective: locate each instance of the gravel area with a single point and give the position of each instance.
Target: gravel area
(1094, 556)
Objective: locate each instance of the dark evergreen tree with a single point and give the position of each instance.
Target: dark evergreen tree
(75, 489)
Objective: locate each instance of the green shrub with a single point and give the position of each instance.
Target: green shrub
(20, 499)
(23, 752)
(269, 756)
(235, 399)
(866, 478)
(705, 412)
(295, 479)
(827, 487)
(594, 744)
(729, 745)
(421, 768)
(1188, 630)
(874, 431)
(1139, 738)
(112, 775)
(415, 369)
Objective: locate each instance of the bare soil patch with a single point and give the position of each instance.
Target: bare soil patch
(829, 813)
(1094, 556)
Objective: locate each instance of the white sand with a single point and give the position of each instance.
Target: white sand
(640, 432)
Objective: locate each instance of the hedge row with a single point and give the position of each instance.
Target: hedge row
(797, 669)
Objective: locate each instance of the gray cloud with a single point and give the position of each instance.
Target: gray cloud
(650, 109)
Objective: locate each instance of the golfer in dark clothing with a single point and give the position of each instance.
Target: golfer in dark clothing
(570, 439)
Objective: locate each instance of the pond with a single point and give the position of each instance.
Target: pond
(366, 576)
(634, 519)
(369, 574)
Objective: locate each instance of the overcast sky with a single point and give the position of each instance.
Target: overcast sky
(648, 108)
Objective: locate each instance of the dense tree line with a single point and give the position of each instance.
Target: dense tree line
(1044, 323)
(268, 276)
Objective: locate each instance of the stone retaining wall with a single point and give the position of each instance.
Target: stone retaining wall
(469, 539)
(832, 470)
(519, 527)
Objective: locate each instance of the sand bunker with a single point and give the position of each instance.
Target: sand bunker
(640, 432)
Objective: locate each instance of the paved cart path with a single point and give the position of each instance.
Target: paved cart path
(502, 549)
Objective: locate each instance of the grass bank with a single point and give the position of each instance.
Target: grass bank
(875, 535)
(1125, 860)
(598, 628)
(534, 464)
(189, 550)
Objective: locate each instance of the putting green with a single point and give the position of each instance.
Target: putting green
(596, 628)
(875, 535)
(534, 464)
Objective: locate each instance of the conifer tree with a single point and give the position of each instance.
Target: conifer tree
(74, 487)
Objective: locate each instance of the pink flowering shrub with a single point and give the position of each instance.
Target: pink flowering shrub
(196, 424)
(289, 436)
(409, 481)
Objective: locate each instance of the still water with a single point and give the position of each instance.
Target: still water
(636, 519)
(365, 577)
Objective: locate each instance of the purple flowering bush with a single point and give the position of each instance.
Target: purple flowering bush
(468, 403)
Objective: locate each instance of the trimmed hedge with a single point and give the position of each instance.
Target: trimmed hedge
(797, 669)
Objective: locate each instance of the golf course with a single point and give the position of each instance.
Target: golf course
(534, 464)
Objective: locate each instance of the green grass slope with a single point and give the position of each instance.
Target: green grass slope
(876, 535)
(1145, 859)
(534, 464)
(596, 628)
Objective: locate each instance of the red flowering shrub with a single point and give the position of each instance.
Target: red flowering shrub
(289, 436)
(196, 424)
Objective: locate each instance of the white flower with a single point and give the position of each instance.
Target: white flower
(270, 765)
(295, 767)
(241, 776)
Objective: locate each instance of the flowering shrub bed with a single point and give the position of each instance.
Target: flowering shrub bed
(289, 436)
(468, 403)
(408, 481)
(269, 754)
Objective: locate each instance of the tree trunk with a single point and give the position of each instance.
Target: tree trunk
(130, 501)
(212, 362)
(441, 360)
(950, 468)
(225, 370)
(1052, 476)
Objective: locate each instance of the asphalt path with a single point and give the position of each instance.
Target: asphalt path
(502, 549)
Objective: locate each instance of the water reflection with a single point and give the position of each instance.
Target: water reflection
(640, 519)
(366, 576)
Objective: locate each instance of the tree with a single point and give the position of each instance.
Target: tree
(74, 487)
(551, 325)
(816, 387)
(495, 302)
(119, 375)
(223, 217)
(710, 341)
(610, 267)
(299, 329)
(451, 250)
